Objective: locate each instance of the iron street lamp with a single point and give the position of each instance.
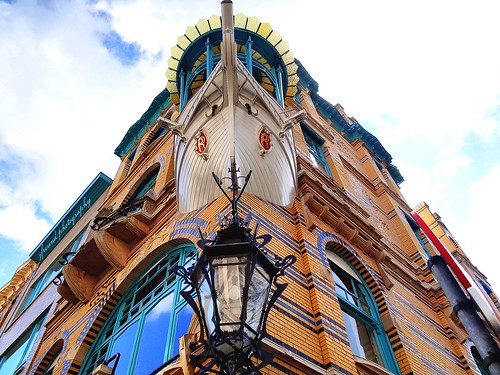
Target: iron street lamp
(235, 284)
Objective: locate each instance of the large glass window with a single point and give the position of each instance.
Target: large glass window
(362, 321)
(16, 356)
(315, 147)
(147, 323)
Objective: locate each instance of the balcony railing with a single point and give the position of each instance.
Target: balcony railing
(125, 210)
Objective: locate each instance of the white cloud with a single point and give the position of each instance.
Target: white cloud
(419, 185)
(70, 103)
(19, 223)
(475, 229)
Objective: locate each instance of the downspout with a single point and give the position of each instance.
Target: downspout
(465, 310)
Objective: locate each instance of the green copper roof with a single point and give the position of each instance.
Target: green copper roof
(137, 130)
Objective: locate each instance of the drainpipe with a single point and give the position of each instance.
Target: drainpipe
(465, 310)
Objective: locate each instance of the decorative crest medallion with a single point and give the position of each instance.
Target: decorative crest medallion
(201, 144)
(265, 140)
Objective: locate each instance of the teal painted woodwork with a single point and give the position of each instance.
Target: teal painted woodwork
(367, 337)
(146, 324)
(147, 184)
(315, 146)
(71, 217)
(137, 130)
(17, 355)
(260, 58)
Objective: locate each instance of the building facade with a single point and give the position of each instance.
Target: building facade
(360, 297)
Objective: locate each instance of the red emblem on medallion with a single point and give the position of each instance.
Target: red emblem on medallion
(201, 143)
(265, 140)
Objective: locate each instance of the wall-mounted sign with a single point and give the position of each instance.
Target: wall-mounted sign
(71, 217)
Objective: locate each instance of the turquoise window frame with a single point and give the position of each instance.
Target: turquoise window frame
(416, 229)
(147, 184)
(24, 345)
(315, 146)
(124, 315)
(253, 42)
(275, 76)
(369, 316)
(479, 361)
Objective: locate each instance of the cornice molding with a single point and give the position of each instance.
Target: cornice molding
(336, 209)
(18, 280)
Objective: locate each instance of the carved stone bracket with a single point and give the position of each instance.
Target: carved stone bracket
(114, 250)
(128, 229)
(65, 292)
(79, 281)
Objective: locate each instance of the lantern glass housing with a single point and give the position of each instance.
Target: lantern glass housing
(233, 280)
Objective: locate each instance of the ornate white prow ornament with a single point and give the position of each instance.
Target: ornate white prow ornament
(233, 125)
(228, 63)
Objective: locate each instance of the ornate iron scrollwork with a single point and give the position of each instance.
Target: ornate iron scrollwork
(101, 221)
(58, 280)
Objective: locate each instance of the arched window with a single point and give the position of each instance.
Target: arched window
(15, 358)
(315, 146)
(147, 184)
(148, 321)
(367, 337)
(50, 360)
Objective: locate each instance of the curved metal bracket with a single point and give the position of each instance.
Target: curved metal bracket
(234, 188)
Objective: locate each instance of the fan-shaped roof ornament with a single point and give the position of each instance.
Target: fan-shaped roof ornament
(267, 48)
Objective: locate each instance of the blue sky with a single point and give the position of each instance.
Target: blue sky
(422, 77)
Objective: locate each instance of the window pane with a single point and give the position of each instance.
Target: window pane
(342, 289)
(151, 285)
(17, 355)
(352, 334)
(154, 337)
(315, 147)
(182, 326)
(362, 339)
(361, 319)
(149, 306)
(147, 184)
(13, 361)
(33, 292)
(124, 345)
(368, 343)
